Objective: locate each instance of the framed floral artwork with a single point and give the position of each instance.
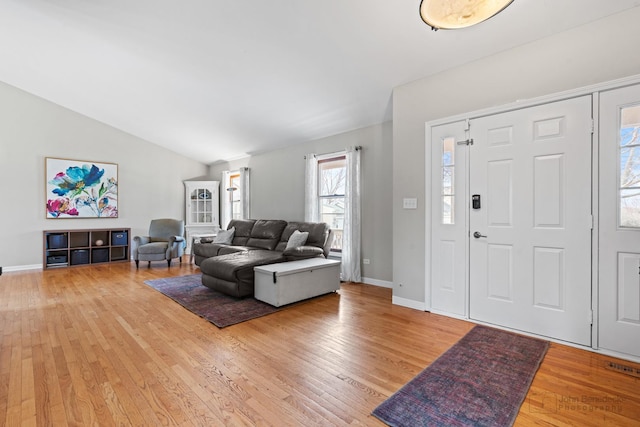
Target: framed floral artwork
(81, 189)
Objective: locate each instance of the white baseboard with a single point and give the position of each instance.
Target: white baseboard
(22, 268)
(376, 282)
(447, 314)
(409, 303)
(416, 305)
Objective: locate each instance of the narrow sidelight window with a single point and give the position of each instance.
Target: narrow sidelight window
(629, 164)
(448, 180)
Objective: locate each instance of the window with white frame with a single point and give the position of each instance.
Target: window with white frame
(234, 195)
(448, 166)
(629, 169)
(332, 174)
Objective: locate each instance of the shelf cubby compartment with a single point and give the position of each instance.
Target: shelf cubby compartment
(119, 253)
(100, 238)
(120, 238)
(78, 239)
(57, 258)
(57, 240)
(99, 255)
(79, 256)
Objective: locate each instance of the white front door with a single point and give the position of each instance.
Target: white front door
(530, 258)
(448, 212)
(619, 237)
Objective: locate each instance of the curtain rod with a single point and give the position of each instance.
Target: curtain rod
(357, 148)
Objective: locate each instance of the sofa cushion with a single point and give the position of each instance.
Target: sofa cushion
(233, 249)
(266, 233)
(206, 250)
(236, 266)
(302, 252)
(243, 230)
(154, 248)
(235, 288)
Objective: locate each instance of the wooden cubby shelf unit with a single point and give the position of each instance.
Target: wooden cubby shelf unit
(68, 248)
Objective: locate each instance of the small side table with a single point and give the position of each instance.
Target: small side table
(195, 238)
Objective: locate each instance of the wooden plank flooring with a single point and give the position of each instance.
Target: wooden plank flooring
(96, 346)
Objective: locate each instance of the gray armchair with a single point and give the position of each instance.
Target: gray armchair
(164, 242)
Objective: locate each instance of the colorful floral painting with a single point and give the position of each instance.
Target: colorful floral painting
(81, 189)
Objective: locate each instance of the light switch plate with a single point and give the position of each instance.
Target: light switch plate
(410, 203)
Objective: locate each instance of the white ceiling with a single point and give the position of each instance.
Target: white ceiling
(220, 79)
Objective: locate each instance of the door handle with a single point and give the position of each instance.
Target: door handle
(477, 235)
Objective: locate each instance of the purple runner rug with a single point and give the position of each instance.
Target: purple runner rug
(220, 309)
(481, 381)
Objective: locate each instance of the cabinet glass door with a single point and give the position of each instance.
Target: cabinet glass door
(201, 206)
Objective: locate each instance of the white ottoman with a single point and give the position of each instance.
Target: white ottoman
(288, 282)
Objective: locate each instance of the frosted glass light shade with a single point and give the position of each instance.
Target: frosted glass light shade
(452, 14)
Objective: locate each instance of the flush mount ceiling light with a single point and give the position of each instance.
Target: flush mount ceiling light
(454, 14)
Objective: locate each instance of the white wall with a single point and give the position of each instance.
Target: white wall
(277, 188)
(150, 177)
(601, 51)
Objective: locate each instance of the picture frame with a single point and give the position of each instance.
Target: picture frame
(80, 189)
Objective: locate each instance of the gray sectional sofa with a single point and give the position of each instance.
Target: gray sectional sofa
(228, 266)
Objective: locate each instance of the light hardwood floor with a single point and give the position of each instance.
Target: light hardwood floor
(96, 346)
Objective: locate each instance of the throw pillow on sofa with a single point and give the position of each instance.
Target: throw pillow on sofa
(225, 237)
(297, 239)
(296, 248)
